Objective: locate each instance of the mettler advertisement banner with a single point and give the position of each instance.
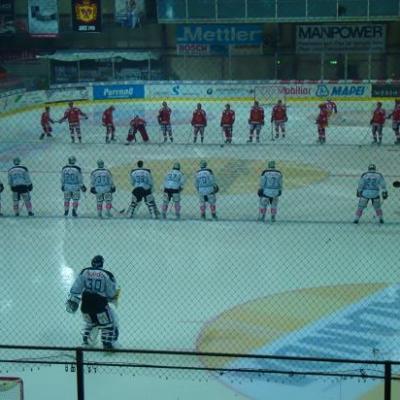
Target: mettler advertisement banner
(340, 38)
(238, 34)
(113, 92)
(43, 18)
(86, 15)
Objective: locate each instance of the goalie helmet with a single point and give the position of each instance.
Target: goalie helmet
(203, 164)
(17, 161)
(271, 164)
(371, 167)
(176, 166)
(100, 163)
(97, 261)
(71, 160)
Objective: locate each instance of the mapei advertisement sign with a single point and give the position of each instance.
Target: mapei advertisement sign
(238, 34)
(86, 15)
(343, 90)
(112, 92)
(340, 38)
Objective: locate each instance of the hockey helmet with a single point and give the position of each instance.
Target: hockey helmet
(227, 106)
(140, 163)
(164, 104)
(71, 160)
(371, 167)
(322, 105)
(97, 261)
(199, 106)
(176, 165)
(203, 164)
(71, 103)
(271, 164)
(379, 104)
(100, 163)
(17, 161)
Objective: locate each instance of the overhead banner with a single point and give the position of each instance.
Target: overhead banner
(340, 38)
(43, 18)
(129, 12)
(7, 21)
(86, 15)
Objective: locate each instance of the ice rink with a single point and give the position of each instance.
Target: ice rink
(234, 285)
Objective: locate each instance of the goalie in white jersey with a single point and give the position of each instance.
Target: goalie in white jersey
(94, 289)
(370, 186)
(71, 185)
(142, 182)
(20, 185)
(206, 186)
(102, 185)
(269, 191)
(173, 185)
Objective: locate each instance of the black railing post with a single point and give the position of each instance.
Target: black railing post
(388, 380)
(80, 385)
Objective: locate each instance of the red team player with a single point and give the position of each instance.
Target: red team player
(331, 107)
(256, 121)
(164, 120)
(73, 115)
(108, 121)
(322, 123)
(377, 121)
(395, 115)
(46, 122)
(279, 117)
(227, 121)
(137, 125)
(199, 122)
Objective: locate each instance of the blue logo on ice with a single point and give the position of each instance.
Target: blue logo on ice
(322, 91)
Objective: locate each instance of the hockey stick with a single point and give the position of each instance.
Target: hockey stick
(272, 131)
(222, 137)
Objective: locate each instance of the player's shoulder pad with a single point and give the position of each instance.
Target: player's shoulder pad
(109, 274)
(18, 166)
(84, 270)
(264, 172)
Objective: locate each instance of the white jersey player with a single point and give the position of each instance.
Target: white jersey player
(270, 189)
(173, 185)
(1, 190)
(20, 185)
(142, 182)
(94, 289)
(71, 185)
(370, 186)
(102, 185)
(206, 186)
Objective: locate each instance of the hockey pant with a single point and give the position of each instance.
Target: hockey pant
(75, 196)
(396, 129)
(279, 126)
(17, 193)
(75, 128)
(138, 194)
(175, 196)
(272, 202)
(132, 134)
(196, 130)
(211, 199)
(106, 322)
(362, 205)
(377, 132)
(227, 129)
(255, 127)
(110, 132)
(104, 197)
(166, 130)
(47, 129)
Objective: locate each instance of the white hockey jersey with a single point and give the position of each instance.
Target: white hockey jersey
(174, 179)
(271, 182)
(101, 179)
(370, 184)
(205, 181)
(141, 177)
(19, 176)
(71, 178)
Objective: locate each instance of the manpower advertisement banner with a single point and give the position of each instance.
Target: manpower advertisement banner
(43, 18)
(340, 38)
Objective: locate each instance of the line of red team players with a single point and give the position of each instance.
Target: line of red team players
(199, 121)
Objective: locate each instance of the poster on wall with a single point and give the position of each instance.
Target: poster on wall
(7, 21)
(128, 13)
(86, 15)
(43, 18)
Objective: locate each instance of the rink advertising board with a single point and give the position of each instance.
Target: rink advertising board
(43, 18)
(385, 90)
(112, 92)
(340, 38)
(86, 15)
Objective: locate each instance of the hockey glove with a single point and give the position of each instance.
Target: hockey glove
(30, 187)
(216, 189)
(260, 193)
(93, 190)
(1, 187)
(272, 120)
(113, 189)
(279, 192)
(371, 122)
(286, 119)
(385, 195)
(83, 188)
(71, 306)
(358, 193)
(396, 184)
(115, 299)
(62, 188)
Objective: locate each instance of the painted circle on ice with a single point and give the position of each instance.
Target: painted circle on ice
(234, 176)
(342, 321)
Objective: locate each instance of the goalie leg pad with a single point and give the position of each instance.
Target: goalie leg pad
(376, 203)
(263, 202)
(176, 197)
(212, 199)
(76, 195)
(362, 203)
